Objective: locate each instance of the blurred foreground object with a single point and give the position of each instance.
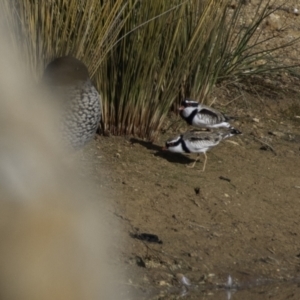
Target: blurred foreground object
(67, 78)
(53, 233)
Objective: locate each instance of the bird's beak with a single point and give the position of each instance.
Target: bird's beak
(164, 148)
(181, 108)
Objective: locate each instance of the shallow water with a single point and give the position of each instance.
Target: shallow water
(260, 291)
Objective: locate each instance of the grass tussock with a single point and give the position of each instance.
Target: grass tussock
(159, 63)
(246, 48)
(86, 29)
(146, 56)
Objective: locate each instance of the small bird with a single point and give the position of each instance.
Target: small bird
(200, 115)
(197, 141)
(68, 80)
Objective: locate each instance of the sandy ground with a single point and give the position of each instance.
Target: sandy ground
(230, 232)
(243, 222)
(240, 218)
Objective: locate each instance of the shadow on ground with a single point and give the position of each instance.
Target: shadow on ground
(169, 156)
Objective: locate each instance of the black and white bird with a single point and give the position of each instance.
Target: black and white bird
(69, 82)
(199, 115)
(197, 141)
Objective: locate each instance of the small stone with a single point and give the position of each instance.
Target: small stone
(140, 262)
(274, 22)
(197, 190)
(276, 133)
(256, 120)
(193, 254)
(117, 155)
(183, 280)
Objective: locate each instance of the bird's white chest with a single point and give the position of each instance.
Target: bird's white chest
(176, 149)
(187, 111)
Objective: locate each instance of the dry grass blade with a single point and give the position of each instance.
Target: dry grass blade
(148, 66)
(48, 29)
(247, 51)
(146, 56)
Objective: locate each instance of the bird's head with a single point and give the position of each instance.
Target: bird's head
(65, 70)
(188, 103)
(174, 144)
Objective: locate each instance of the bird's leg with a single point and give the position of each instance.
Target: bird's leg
(204, 164)
(193, 165)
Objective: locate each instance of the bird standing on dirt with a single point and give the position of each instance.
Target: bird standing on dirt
(200, 115)
(197, 141)
(69, 81)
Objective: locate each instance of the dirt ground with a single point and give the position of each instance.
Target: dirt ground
(240, 218)
(244, 220)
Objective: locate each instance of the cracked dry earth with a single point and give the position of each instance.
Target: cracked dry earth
(244, 222)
